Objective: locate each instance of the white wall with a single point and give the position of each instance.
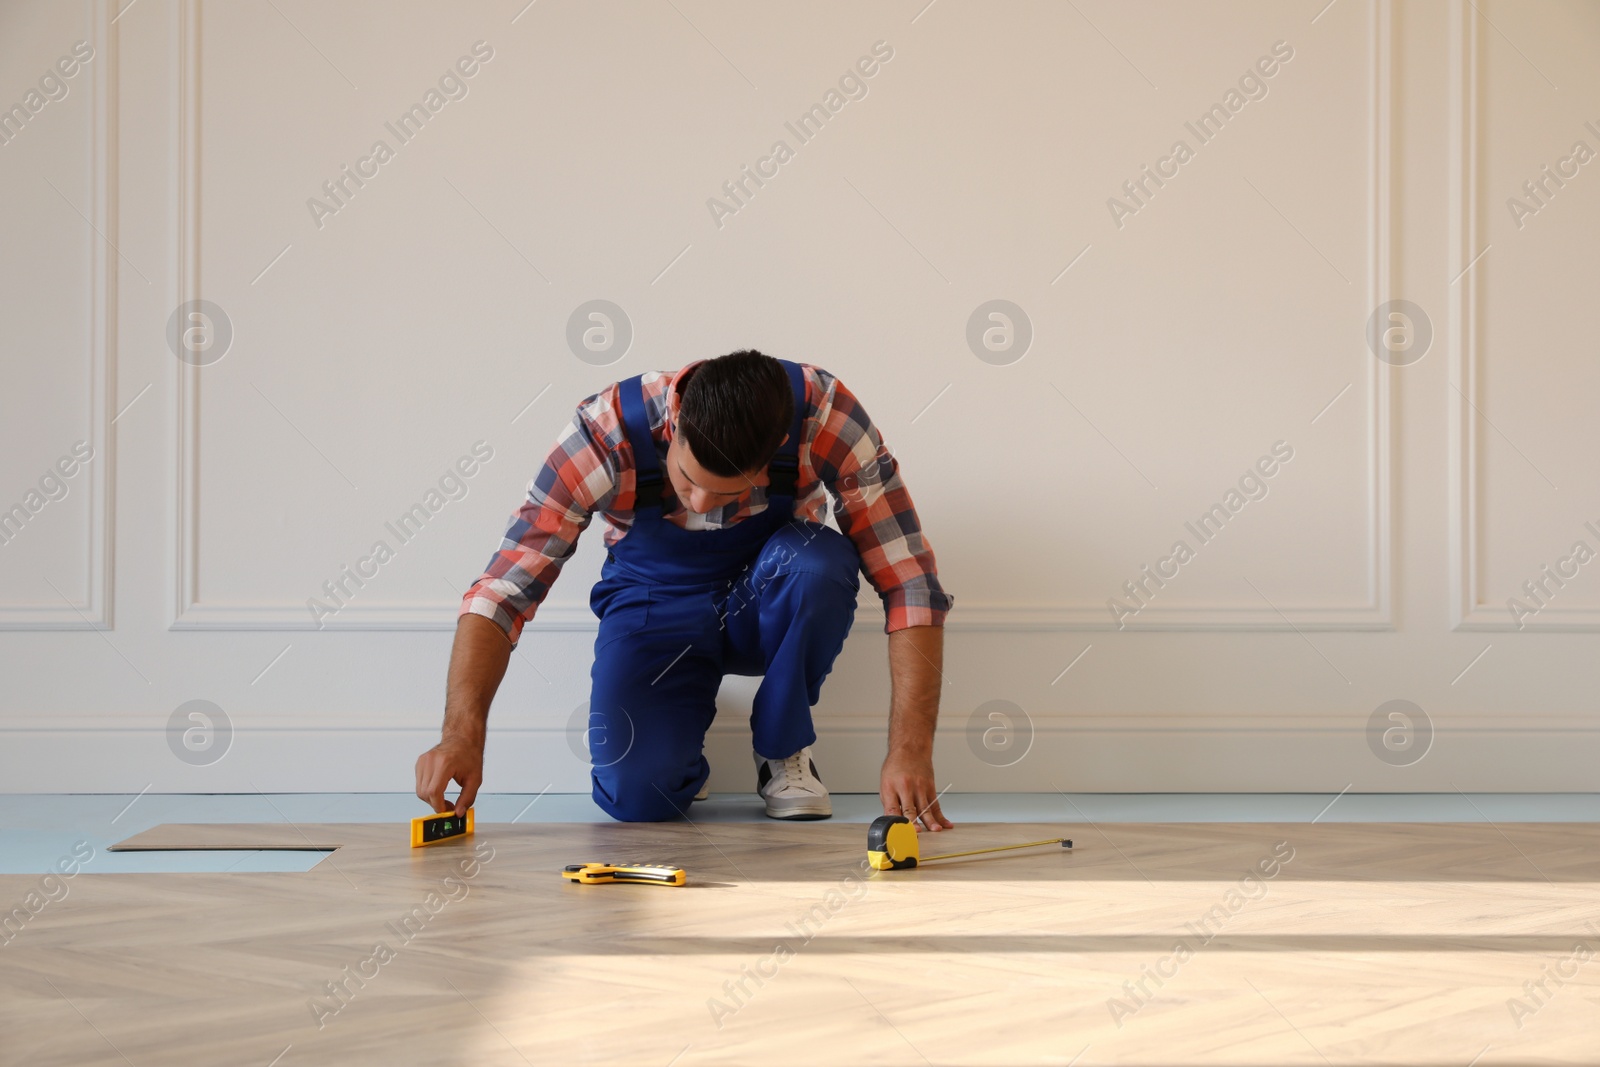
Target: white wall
(1174, 343)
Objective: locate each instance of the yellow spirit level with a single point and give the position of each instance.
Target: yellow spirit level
(431, 829)
(642, 873)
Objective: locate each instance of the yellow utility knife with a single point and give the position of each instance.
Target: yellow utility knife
(642, 873)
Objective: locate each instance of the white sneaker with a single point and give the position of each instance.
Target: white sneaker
(791, 787)
(705, 788)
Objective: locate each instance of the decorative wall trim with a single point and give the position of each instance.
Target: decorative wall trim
(185, 210)
(983, 617)
(404, 617)
(1468, 609)
(1373, 611)
(95, 611)
(1467, 612)
(1137, 753)
(515, 719)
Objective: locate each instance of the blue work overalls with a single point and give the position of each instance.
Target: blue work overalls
(769, 595)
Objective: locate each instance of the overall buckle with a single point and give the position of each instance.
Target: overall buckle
(783, 475)
(648, 486)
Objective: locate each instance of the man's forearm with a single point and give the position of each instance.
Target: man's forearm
(916, 663)
(478, 662)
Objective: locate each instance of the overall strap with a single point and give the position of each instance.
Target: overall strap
(783, 471)
(636, 423)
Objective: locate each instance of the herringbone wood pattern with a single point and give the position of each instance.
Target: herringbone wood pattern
(1350, 943)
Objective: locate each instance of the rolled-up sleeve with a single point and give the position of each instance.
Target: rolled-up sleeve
(578, 479)
(873, 508)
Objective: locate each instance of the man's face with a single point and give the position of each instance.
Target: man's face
(699, 489)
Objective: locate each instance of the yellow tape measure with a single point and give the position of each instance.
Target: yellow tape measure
(892, 845)
(640, 873)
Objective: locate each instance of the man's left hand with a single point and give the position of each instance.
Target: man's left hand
(907, 788)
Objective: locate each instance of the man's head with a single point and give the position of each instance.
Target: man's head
(733, 413)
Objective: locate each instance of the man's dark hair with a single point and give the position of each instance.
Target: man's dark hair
(735, 411)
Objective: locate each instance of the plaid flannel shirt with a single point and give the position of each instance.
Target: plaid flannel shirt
(586, 473)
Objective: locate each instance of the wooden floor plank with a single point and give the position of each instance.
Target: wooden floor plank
(229, 837)
(1148, 943)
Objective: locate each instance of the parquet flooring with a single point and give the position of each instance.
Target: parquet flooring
(1147, 944)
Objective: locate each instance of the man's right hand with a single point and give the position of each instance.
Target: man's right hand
(450, 759)
(477, 663)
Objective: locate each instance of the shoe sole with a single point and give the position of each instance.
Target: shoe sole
(805, 813)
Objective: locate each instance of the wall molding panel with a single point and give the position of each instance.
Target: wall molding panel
(1469, 611)
(95, 611)
(1371, 610)
(1100, 753)
(445, 297)
(1374, 609)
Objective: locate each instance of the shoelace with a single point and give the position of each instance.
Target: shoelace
(794, 776)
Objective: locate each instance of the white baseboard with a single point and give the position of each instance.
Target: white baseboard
(1114, 754)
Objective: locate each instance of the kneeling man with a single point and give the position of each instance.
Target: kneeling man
(712, 480)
